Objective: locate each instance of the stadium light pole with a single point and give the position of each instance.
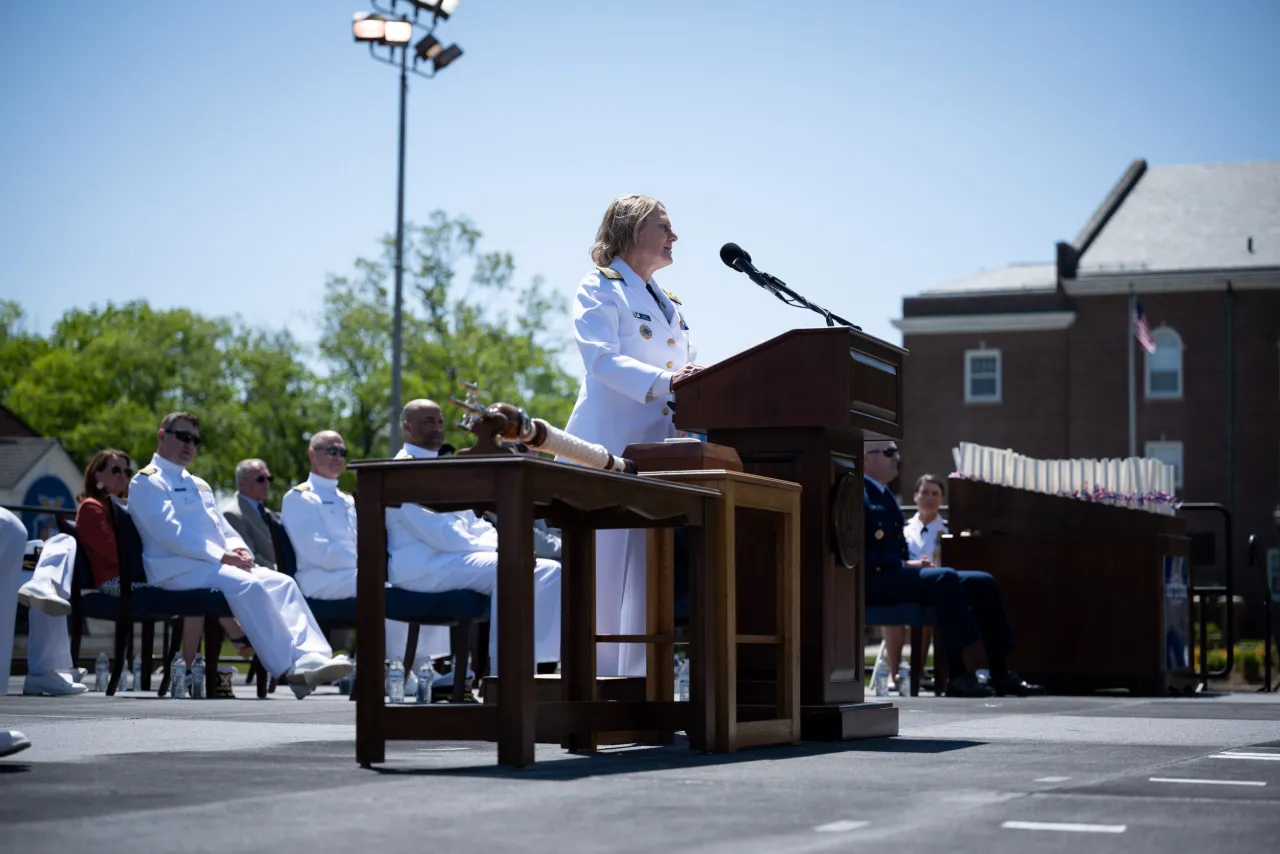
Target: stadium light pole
(387, 28)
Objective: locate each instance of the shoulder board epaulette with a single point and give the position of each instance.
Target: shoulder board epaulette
(305, 486)
(610, 273)
(148, 470)
(675, 299)
(201, 482)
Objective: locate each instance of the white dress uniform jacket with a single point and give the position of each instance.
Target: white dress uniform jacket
(320, 520)
(922, 539)
(633, 337)
(183, 540)
(434, 552)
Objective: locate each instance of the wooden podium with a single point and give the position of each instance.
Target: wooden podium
(798, 408)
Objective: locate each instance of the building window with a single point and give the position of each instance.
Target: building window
(1167, 452)
(1164, 366)
(982, 376)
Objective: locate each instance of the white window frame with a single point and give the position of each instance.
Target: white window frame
(1151, 449)
(1175, 340)
(969, 356)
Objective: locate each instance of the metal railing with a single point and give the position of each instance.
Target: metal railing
(1224, 591)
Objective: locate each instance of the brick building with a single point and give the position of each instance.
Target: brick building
(1035, 357)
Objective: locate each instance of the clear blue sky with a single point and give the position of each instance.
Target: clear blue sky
(227, 156)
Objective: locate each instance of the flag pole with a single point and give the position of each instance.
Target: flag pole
(1133, 393)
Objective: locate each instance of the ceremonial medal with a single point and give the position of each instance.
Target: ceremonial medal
(645, 331)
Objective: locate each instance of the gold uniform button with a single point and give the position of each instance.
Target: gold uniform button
(670, 364)
(666, 411)
(671, 342)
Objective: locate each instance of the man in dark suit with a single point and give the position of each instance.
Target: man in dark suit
(245, 511)
(972, 624)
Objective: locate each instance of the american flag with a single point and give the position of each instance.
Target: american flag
(1142, 330)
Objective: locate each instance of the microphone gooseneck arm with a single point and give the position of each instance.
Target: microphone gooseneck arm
(737, 258)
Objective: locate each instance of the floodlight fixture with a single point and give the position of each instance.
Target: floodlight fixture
(438, 8)
(369, 27)
(446, 56)
(398, 33)
(428, 48)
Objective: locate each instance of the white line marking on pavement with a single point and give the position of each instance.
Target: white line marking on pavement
(1051, 779)
(1207, 782)
(1265, 757)
(1064, 827)
(441, 749)
(841, 826)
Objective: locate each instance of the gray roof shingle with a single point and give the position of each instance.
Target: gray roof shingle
(1015, 278)
(18, 454)
(1196, 217)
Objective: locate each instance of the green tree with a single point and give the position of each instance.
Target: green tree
(480, 327)
(18, 347)
(107, 376)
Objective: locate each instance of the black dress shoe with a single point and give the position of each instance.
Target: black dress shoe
(1012, 683)
(968, 685)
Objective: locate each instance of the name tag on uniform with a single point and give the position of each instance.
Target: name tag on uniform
(642, 316)
(180, 489)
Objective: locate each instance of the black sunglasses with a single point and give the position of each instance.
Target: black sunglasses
(118, 470)
(336, 452)
(184, 436)
(888, 452)
(263, 478)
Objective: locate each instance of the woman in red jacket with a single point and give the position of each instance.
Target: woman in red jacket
(107, 478)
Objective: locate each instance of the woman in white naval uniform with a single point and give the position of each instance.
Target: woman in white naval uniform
(634, 343)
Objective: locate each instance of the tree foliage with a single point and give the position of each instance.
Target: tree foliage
(105, 376)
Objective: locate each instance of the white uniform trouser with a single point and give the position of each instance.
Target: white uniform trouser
(268, 605)
(433, 641)
(478, 571)
(48, 639)
(13, 543)
(620, 600)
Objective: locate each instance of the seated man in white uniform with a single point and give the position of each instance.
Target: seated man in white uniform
(188, 545)
(320, 520)
(434, 552)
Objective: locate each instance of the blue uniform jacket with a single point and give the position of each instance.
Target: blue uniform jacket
(886, 542)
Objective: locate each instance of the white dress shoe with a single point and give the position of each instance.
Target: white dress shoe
(77, 674)
(11, 741)
(51, 685)
(36, 595)
(314, 669)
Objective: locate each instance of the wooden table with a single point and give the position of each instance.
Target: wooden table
(579, 501)
(781, 499)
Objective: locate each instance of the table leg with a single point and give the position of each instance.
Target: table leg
(516, 703)
(703, 546)
(371, 609)
(788, 619)
(578, 626)
(724, 600)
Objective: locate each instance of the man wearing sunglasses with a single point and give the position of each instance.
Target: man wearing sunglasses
(246, 511)
(188, 545)
(971, 619)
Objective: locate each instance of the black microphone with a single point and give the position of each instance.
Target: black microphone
(736, 257)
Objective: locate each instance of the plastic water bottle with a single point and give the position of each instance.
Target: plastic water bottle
(178, 677)
(426, 679)
(395, 681)
(880, 674)
(197, 677)
(682, 680)
(101, 672)
(904, 679)
(135, 683)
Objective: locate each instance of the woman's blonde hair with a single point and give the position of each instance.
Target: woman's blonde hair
(619, 227)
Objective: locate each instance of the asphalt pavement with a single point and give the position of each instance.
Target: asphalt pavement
(1096, 774)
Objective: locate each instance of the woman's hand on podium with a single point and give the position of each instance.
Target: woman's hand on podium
(684, 373)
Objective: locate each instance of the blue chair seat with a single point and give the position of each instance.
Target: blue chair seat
(410, 607)
(903, 614)
(154, 603)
